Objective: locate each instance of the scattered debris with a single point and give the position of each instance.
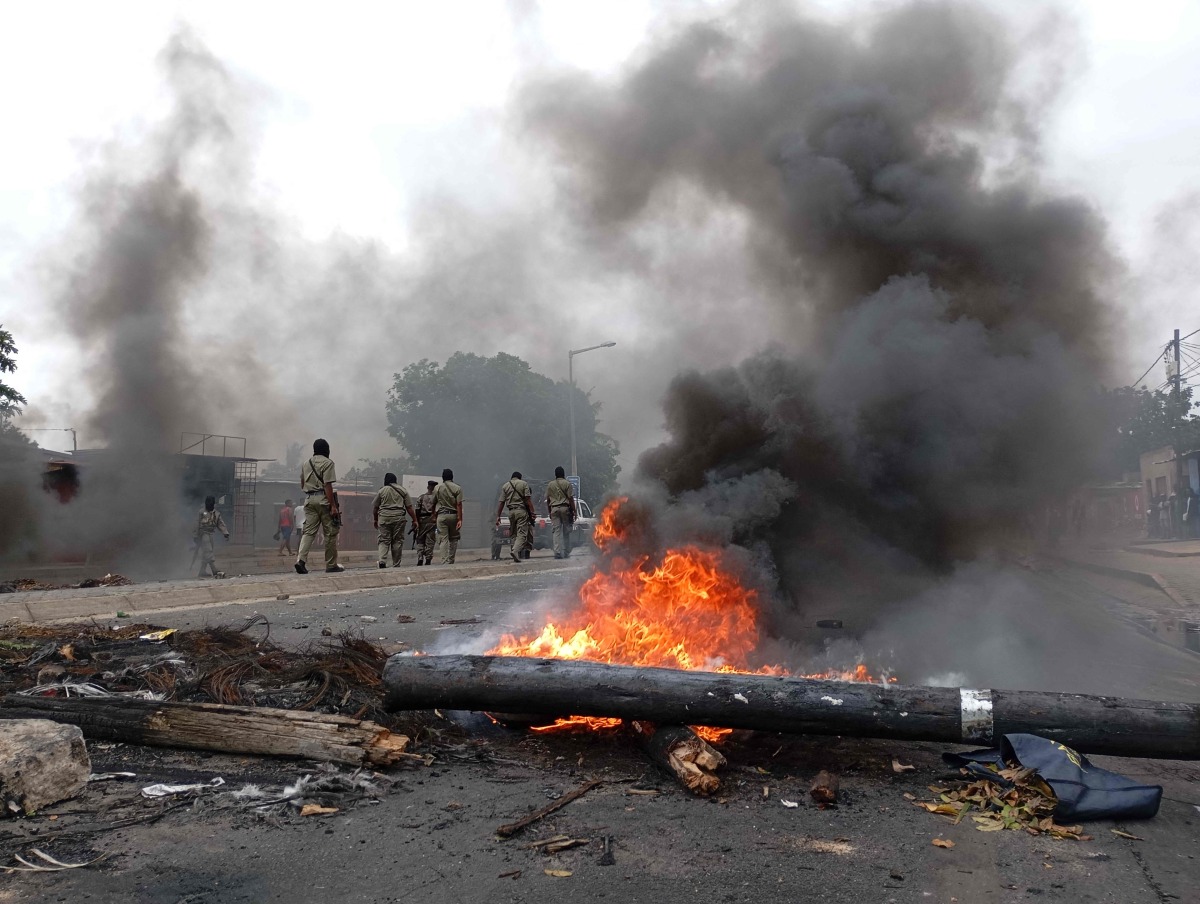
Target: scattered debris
(55, 866)
(510, 829)
(943, 843)
(824, 789)
(511, 874)
(1121, 834)
(461, 621)
(283, 596)
(161, 790)
(408, 619)
(606, 851)
(558, 873)
(790, 804)
(557, 843)
(368, 618)
(328, 787)
(26, 585)
(156, 636)
(317, 810)
(900, 767)
(1018, 798)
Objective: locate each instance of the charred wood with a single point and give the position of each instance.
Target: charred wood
(682, 753)
(824, 789)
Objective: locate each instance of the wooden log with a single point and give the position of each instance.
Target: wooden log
(824, 789)
(41, 763)
(1092, 724)
(682, 753)
(225, 729)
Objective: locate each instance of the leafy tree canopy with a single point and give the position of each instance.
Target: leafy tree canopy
(10, 400)
(1144, 420)
(487, 417)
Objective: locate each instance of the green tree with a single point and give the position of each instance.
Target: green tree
(10, 400)
(1142, 420)
(487, 417)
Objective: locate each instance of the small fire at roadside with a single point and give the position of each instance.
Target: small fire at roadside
(681, 609)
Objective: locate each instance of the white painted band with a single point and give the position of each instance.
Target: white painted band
(976, 714)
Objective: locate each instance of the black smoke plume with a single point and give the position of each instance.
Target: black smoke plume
(945, 313)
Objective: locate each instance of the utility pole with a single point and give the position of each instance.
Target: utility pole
(571, 389)
(1177, 372)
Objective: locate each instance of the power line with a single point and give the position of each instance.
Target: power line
(1157, 358)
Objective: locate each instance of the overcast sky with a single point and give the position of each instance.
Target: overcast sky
(373, 107)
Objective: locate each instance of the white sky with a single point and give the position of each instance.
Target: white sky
(382, 94)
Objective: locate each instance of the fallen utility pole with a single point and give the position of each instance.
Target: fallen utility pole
(224, 729)
(1092, 724)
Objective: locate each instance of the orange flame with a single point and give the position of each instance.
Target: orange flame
(685, 611)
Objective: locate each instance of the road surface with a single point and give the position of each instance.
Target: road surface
(432, 839)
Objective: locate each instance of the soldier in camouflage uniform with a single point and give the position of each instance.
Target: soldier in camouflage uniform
(516, 496)
(210, 522)
(426, 524)
(448, 498)
(560, 503)
(387, 513)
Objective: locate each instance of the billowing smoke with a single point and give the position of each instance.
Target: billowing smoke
(137, 254)
(940, 316)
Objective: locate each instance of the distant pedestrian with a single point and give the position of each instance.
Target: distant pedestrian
(285, 525)
(426, 524)
(516, 496)
(1191, 513)
(387, 514)
(210, 522)
(448, 498)
(560, 504)
(317, 477)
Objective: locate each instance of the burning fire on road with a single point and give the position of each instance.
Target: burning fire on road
(680, 608)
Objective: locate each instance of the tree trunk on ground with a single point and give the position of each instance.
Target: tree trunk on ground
(683, 753)
(225, 729)
(41, 763)
(1105, 725)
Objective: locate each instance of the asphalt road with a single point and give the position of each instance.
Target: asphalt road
(433, 839)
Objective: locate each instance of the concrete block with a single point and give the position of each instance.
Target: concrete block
(41, 763)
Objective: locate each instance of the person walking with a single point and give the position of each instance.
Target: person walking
(317, 477)
(516, 496)
(426, 524)
(210, 522)
(387, 514)
(560, 504)
(284, 527)
(448, 499)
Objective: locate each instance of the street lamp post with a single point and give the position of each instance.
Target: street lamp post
(571, 379)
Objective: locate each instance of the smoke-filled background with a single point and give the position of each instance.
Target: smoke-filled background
(829, 241)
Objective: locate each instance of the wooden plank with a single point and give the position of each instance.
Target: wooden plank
(225, 729)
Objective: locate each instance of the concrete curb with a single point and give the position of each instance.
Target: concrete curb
(41, 607)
